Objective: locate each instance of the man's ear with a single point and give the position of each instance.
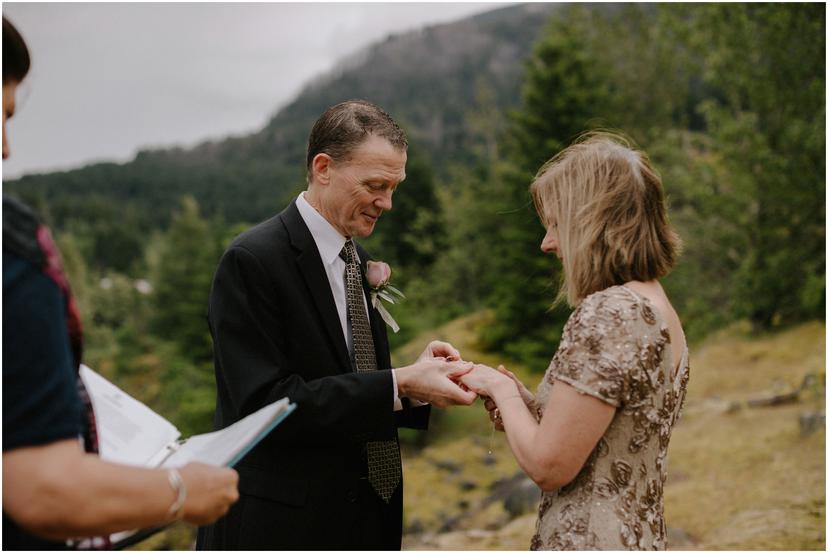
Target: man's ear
(321, 168)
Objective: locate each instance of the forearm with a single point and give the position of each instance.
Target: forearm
(125, 498)
(73, 494)
(522, 433)
(256, 368)
(341, 408)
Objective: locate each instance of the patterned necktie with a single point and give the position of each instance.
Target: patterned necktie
(384, 470)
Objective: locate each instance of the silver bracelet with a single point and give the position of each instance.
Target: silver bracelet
(177, 484)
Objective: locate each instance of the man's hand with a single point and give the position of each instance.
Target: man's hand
(433, 381)
(439, 349)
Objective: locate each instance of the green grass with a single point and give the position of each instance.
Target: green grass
(740, 480)
(748, 479)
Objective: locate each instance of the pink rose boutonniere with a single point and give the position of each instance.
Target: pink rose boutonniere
(378, 275)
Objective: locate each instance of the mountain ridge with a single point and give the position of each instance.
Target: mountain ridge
(427, 79)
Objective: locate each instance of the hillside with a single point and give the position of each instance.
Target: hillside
(740, 477)
(431, 80)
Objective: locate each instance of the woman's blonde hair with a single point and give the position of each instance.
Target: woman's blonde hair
(608, 204)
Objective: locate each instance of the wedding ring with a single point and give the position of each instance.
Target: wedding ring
(497, 414)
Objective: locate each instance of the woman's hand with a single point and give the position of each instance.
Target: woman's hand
(210, 492)
(494, 413)
(484, 380)
(528, 397)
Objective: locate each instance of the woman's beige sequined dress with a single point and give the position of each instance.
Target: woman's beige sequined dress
(615, 348)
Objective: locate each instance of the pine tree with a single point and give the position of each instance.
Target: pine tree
(564, 94)
(767, 63)
(183, 273)
(410, 236)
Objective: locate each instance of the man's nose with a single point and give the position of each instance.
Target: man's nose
(384, 202)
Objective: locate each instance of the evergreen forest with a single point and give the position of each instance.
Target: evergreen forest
(728, 100)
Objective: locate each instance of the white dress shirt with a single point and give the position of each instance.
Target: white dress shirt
(329, 243)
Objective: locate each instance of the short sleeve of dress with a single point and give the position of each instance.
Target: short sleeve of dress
(40, 398)
(597, 353)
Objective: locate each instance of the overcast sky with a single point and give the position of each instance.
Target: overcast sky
(110, 79)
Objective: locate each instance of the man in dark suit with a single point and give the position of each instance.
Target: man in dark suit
(289, 317)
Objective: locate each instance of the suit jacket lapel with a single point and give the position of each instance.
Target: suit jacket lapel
(312, 269)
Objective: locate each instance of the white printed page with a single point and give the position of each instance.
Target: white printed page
(222, 447)
(129, 432)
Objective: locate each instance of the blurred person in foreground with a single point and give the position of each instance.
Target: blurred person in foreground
(290, 315)
(55, 487)
(594, 437)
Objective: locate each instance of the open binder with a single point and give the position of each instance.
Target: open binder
(131, 433)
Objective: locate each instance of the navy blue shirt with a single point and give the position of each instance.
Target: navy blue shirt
(41, 404)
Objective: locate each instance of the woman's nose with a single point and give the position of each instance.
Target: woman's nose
(549, 244)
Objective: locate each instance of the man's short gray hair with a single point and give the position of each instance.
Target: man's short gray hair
(348, 124)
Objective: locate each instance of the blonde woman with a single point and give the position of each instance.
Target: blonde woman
(595, 436)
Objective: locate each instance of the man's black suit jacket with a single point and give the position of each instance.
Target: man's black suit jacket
(276, 333)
